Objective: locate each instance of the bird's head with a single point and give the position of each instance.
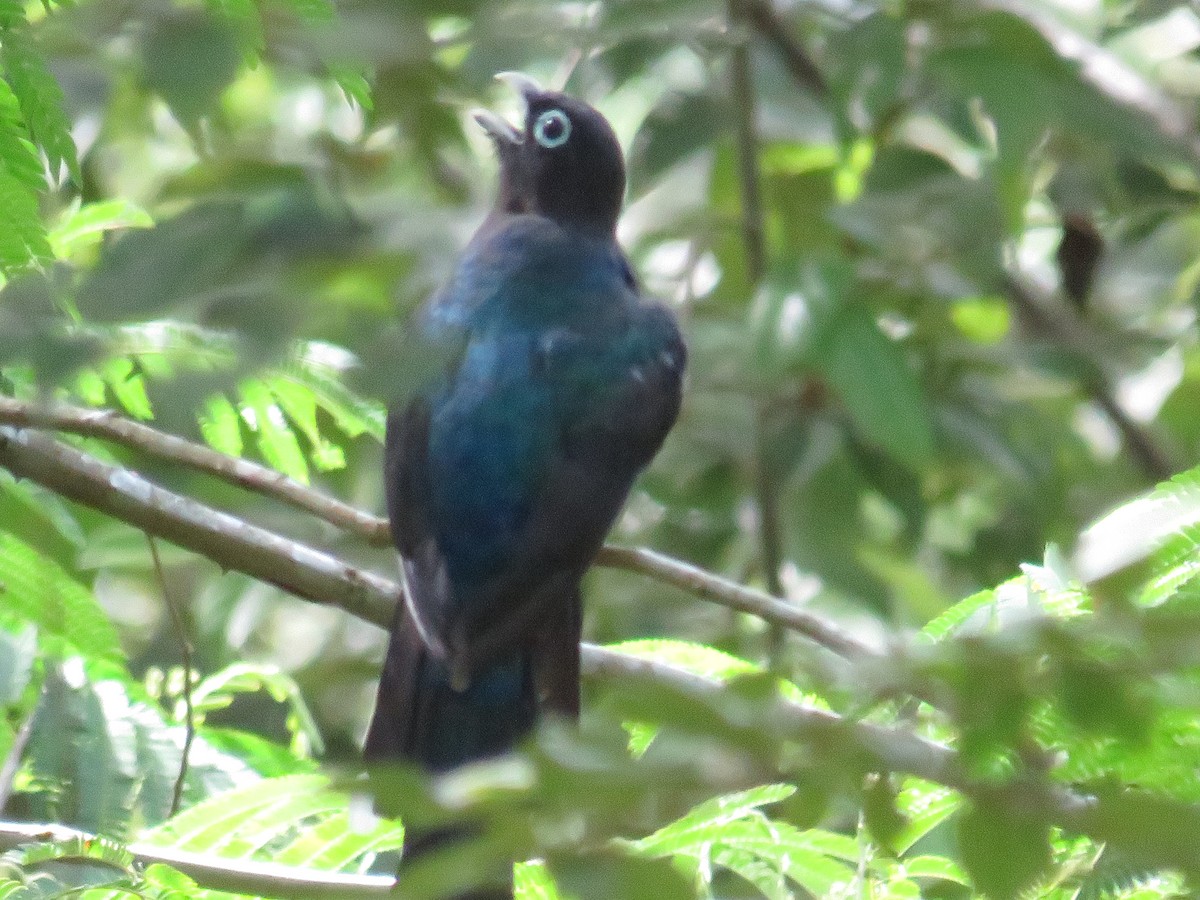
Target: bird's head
(565, 163)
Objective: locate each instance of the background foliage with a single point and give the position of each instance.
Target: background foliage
(937, 266)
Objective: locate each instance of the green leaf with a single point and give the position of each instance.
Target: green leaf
(108, 758)
(189, 59)
(984, 320)
(41, 101)
(924, 806)
(18, 155)
(18, 649)
(1005, 849)
(300, 404)
(952, 619)
(353, 414)
(218, 690)
(706, 822)
(314, 12)
(22, 236)
(276, 440)
(533, 881)
(84, 226)
(221, 426)
(354, 85)
(883, 396)
(129, 387)
(336, 843)
(938, 867)
(40, 519)
(680, 125)
(240, 824)
(131, 282)
(39, 590)
(244, 19)
(696, 658)
(1155, 527)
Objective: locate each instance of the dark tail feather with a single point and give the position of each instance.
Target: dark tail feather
(420, 717)
(556, 657)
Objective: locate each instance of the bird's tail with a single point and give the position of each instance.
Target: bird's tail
(420, 716)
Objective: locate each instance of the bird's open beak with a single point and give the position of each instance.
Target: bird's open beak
(499, 130)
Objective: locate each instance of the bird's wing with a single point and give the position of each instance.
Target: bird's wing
(503, 481)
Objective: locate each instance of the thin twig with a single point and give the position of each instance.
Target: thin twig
(743, 99)
(1058, 323)
(745, 599)
(775, 31)
(12, 762)
(185, 652)
(145, 439)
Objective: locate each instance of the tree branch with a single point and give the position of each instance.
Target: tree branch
(1109, 74)
(225, 539)
(318, 577)
(885, 749)
(108, 425)
(776, 32)
(881, 748)
(1059, 324)
(741, 87)
(707, 586)
(313, 575)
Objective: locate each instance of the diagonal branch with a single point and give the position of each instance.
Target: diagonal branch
(707, 586)
(227, 540)
(309, 573)
(108, 425)
(775, 31)
(1059, 324)
(1109, 74)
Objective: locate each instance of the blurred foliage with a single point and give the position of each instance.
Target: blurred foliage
(975, 335)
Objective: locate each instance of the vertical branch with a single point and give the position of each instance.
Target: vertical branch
(185, 652)
(754, 240)
(12, 762)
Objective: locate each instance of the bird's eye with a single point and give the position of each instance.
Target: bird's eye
(552, 128)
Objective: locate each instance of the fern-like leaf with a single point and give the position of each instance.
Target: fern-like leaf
(40, 591)
(40, 99)
(18, 155)
(22, 236)
(294, 820)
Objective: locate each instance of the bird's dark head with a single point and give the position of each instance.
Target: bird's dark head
(568, 164)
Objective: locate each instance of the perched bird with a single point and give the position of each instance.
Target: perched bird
(504, 474)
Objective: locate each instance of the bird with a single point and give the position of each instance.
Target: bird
(504, 473)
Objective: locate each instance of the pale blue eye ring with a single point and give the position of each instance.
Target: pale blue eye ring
(552, 128)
